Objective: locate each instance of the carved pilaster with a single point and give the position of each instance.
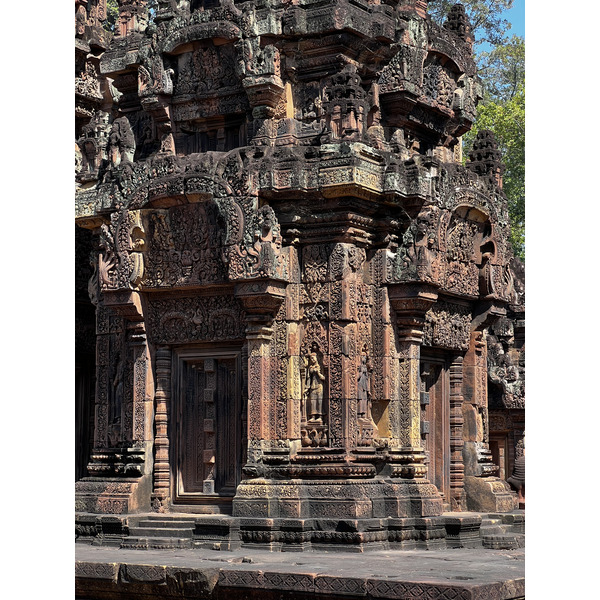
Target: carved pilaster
(410, 303)
(476, 453)
(261, 300)
(457, 469)
(484, 491)
(161, 491)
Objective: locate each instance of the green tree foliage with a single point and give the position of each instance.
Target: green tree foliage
(112, 15)
(503, 112)
(502, 70)
(485, 16)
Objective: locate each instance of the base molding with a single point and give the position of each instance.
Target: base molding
(115, 496)
(489, 494)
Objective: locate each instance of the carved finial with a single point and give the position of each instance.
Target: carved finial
(133, 16)
(485, 158)
(458, 21)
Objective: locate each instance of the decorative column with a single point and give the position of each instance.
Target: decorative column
(410, 302)
(123, 436)
(261, 300)
(457, 469)
(161, 492)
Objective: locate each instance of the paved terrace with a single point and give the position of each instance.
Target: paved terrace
(469, 574)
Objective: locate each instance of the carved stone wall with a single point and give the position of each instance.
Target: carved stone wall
(276, 185)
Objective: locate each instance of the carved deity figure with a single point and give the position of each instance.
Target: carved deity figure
(92, 143)
(416, 253)
(364, 388)
(153, 78)
(121, 142)
(504, 373)
(117, 403)
(486, 279)
(314, 387)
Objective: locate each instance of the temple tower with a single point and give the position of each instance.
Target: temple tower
(293, 273)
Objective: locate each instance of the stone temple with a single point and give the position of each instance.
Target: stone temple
(300, 325)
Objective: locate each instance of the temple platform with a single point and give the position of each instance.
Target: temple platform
(180, 531)
(104, 572)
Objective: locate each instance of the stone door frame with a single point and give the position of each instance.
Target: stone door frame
(210, 500)
(438, 425)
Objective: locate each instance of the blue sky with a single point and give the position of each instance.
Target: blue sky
(516, 17)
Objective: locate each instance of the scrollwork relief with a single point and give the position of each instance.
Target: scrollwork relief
(180, 320)
(121, 260)
(447, 326)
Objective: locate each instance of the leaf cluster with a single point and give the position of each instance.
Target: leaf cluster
(112, 15)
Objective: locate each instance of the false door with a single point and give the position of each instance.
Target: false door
(207, 429)
(435, 421)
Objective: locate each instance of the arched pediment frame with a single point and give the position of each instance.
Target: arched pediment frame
(474, 244)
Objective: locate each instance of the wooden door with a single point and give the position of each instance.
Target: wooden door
(435, 422)
(207, 427)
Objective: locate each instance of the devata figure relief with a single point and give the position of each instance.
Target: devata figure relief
(314, 388)
(294, 280)
(364, 388)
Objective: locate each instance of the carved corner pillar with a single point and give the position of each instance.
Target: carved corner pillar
(120, 464)
(484, 490)
(410, 303)
(161, 490)
(261, 300)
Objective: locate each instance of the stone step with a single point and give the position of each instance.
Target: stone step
(166, 523)
(156, 532)
(514, 522)
(170, 517)
(155, 543)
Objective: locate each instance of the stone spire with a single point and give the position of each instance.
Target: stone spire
(485, 158)
(458, 21)
(133, 16)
